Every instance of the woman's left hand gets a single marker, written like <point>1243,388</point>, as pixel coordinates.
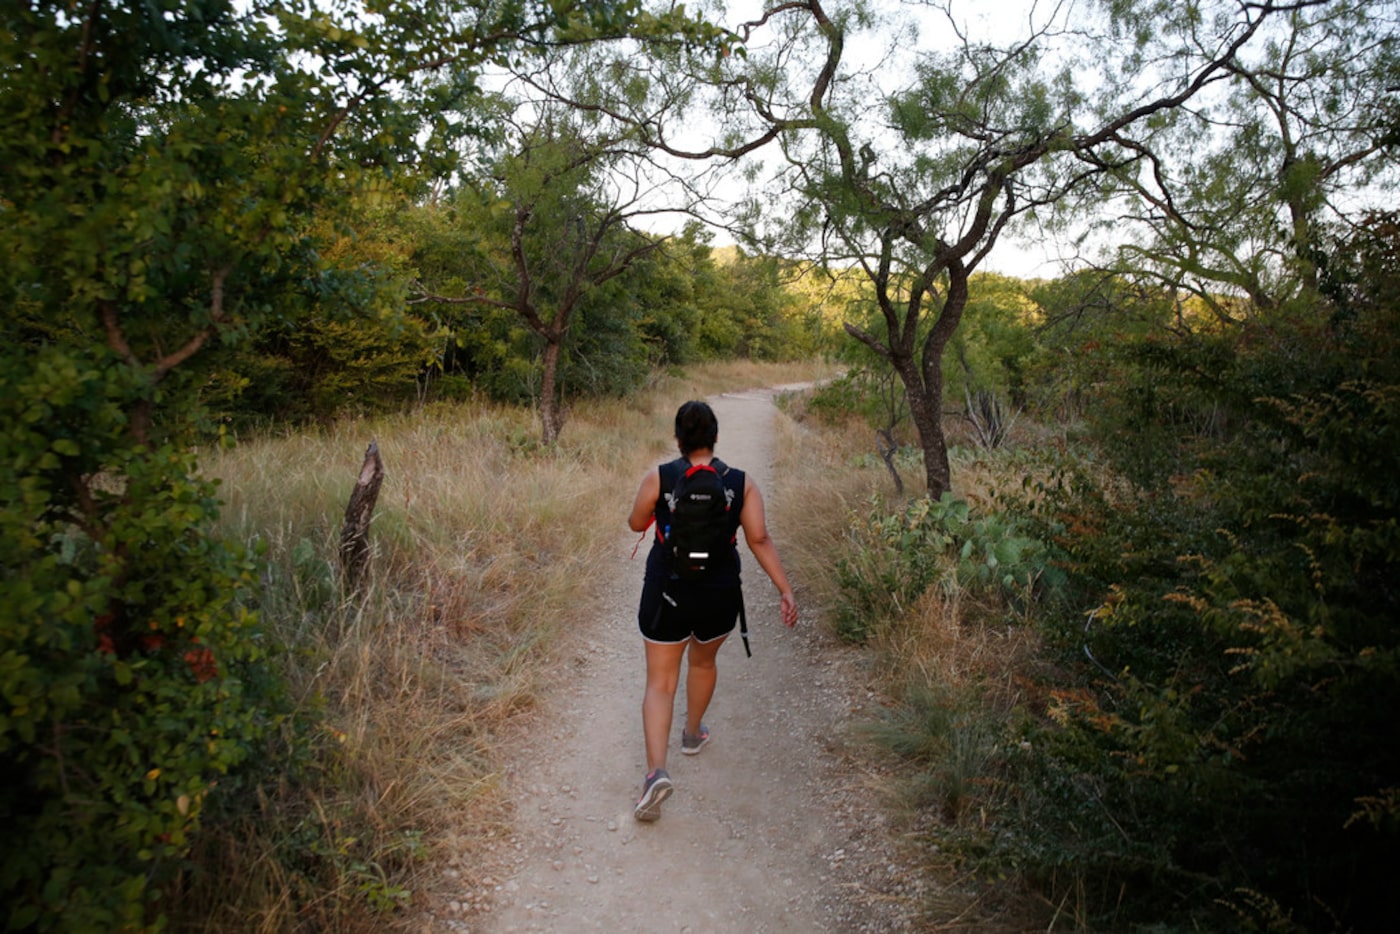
<point>789,610</point>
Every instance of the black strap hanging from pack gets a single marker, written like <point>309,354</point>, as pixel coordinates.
<point>744,625</point>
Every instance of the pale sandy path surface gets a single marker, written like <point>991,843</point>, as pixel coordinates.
<point>773,827</point>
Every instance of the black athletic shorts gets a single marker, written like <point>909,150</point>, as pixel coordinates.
<point>674,610</point>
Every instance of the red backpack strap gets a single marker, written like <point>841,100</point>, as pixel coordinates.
<point>660,535</point>
<point>641,538</point>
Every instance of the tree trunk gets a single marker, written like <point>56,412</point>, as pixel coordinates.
<point>930,417</point>
<point>354,535</point>
<point>921,369</point>
<point>551,418</point>
<point>926,412</point>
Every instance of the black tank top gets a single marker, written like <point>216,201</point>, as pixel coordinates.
<point>658,560</point>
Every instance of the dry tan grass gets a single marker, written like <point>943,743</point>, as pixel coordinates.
<point>821,479</point>
<point>712,378</point>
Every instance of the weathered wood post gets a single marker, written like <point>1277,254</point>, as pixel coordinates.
<point>354,536</point>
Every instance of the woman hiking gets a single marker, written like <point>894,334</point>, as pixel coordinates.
<point>688,609</point>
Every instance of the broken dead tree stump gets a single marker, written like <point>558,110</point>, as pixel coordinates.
<point>354,535</point>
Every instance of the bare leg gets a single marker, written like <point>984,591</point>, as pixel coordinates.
<point>663,677</point>
<point>700,678</point>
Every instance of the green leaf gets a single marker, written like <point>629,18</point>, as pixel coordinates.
<point>121,671</point>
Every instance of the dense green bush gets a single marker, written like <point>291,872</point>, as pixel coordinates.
<point>1080,322</point>
<point>990,352</point>
<point>1233,758</point>
<point>865,390</point>
<point>321,369</point>
<point>134,677</point>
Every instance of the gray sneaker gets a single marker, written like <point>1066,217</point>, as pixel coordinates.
<point>656,788</point>
<point>692,743</point>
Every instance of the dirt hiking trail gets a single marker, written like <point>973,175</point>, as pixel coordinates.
<point>773,827</point>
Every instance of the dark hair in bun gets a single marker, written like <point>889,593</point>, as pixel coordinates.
<point>696,427</point>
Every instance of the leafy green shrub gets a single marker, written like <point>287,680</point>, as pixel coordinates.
<point>134,675</point>
<point>1083,317</point>
<point>1234,757</point>
<point>893,558</point>
<point>320,368</point>
<point>994,343</point>
<point>890,560</point>
<point>863,391</point>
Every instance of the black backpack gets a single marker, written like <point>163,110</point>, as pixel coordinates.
<point>700,536</point>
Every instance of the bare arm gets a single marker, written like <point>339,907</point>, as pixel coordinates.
<point>644,507</point>
<point>755,524</point>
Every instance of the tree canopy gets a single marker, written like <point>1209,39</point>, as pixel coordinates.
<point>913,169</point>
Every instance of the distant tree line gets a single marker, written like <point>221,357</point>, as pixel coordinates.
<point>451,332</point>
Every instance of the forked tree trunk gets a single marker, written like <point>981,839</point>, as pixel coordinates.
<point>354,535</point>
<point>920,367</point>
